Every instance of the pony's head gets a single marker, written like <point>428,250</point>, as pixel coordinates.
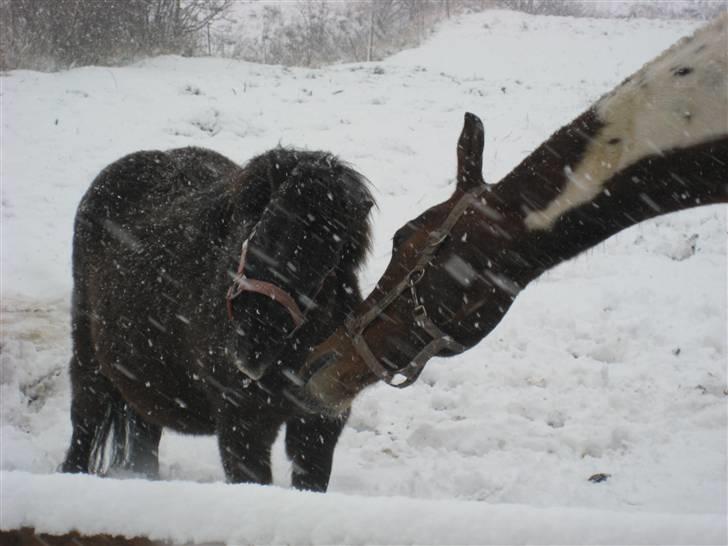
<point>314,222</point>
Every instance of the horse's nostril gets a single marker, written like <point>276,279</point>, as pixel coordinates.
<point>321,362</point>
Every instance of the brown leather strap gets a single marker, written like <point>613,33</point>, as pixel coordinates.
<point>241,284</point>
<point>359,323</point>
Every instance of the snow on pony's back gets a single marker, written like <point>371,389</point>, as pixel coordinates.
<point>675,101</point>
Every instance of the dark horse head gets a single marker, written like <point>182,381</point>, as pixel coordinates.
<point>657,143</point>
<point>308,234</point>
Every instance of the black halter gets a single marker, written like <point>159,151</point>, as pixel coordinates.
<point>355,326</point>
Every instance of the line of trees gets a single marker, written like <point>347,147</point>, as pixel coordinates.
<point>651,9</point>
<point>53,34</point>
<point>57,34</point>
<point>321,32</point>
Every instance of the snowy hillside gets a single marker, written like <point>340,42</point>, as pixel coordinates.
<point>613,363</point>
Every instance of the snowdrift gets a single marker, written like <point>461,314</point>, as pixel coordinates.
<point>198,513</point>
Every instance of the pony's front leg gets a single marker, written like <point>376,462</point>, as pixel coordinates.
<point>310,443</point>
<point>143,445</point>
<point>245,437</point>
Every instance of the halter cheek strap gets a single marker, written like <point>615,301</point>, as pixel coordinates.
<point>241,284</point>
<point>355,326</point>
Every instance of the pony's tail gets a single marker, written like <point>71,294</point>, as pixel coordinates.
<point>111,444</point>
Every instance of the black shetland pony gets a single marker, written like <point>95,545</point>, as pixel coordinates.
<point>198,285</point>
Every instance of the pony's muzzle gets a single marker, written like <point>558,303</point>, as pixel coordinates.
<point>320,362</point>
<point>334,374</point>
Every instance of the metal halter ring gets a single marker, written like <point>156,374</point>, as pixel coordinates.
<point>416,275</point>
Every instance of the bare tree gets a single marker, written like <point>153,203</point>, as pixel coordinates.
<point>172,24</point>
<point>370,45</point>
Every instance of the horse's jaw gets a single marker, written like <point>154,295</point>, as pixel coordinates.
<point>252,358</point>
<point>253,369</point>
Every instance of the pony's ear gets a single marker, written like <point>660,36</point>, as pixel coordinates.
<point>470,153</point>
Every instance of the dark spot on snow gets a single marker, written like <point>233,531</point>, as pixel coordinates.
<point>614,140</point>
<point>192,90</point>
<point>599,478</point>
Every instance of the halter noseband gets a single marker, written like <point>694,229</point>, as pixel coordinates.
<point>355,326</point>
<point>241,284</point>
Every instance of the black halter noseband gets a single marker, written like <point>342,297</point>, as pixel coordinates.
<point>355,326</point>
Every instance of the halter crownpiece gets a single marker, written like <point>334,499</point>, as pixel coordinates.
<point>241,284</point>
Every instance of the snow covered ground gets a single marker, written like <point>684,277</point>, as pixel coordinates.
<point>613,363</point>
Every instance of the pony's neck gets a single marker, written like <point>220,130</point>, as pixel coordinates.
<point>656,144</point>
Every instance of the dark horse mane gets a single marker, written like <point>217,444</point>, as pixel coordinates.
<point>189,177</point>
<point>157,244</point>
<point>265,173</point>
